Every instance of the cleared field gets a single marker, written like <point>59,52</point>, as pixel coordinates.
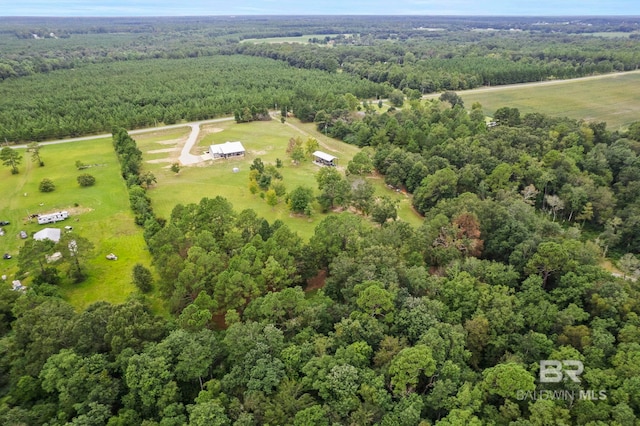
<point>265,140</point>
<point>99,213</point>
<point>303,39</point>
<point>614,98</point>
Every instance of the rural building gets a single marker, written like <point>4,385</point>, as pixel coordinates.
<point>324,159</point>
<point>227,150</point>
<point>52,234</point>
<point>52,217</point>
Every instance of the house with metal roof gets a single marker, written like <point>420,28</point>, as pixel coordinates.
<point>227,150</point>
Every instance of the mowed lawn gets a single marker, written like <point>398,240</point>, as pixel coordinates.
<point>265,140</point>
<point>614,99</point>
<point>100,213</point>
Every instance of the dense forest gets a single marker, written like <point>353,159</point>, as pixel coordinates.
<point>370,321</point>
<point>67,77</point>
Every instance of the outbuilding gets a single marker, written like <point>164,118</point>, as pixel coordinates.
<point>227,150</point>
<point>52,234</point>
<point>324,159</point>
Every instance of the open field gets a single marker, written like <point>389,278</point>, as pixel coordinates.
<point>303,39</point>
<point>265,140</point>
<point>102,215</point>
<point>613,98</point>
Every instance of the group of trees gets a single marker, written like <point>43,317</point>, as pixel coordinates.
<point>457,61</point>
<point>130,158</point>
<point>387,341</point>
<point>299,150</point>
<point>577,172</point>
<point>43,260</point>
<point>162,91</point>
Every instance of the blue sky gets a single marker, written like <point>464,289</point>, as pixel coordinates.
<point>322,7</point>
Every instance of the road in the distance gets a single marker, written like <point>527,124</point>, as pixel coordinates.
<point>534,83</point>
<point>192,124</point>
<point>196,124</point>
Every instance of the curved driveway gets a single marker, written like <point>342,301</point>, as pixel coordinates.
<point>137,131</point>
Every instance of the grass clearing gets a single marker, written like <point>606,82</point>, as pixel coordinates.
<point>99,213</point>
<point>303,39</point>
<point>614,99</point>
<point>266,140</point>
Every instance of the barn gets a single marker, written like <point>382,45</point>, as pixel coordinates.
<point>227,150</point>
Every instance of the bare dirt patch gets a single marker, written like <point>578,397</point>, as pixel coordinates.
<point>172,141</point>
<point>209,130</point>
<point>316,282</point>
<point>160,161</point>
<point>160,151</point>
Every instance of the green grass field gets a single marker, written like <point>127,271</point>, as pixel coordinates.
<point>100,213</point>
<point>304,39</point>
<point>614,99</point>
<point>265,140</point>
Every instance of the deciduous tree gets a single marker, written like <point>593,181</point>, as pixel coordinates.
<point>86,179</point>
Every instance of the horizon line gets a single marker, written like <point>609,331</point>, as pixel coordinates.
<point>333,15</point>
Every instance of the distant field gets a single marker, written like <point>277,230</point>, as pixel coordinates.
<point>102,215</point>
<point>612,34</point>
<point>265,140</point>
<point>304,39</point>
<point>614,99</point>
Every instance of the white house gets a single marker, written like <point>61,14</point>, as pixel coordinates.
<point>52,234</point>
<point>227,150</point>
<point>324,159</point>
<point>52,217</point>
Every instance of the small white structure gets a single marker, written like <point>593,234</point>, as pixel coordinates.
<point>323,159</point>
<point>17,286</point>
<point>52,234</point>
<point>54,257</point>
<point>227,150</point>
<point>52,217</point>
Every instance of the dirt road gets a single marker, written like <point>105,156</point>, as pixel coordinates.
<point>136,132</point>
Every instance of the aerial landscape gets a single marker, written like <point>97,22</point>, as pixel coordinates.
<point>424,213</point>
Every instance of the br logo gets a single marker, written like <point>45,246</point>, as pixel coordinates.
<point>553,371</point>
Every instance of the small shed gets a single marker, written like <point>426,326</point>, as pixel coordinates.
<point>324,159</point>
<point>227,150</point>
<point>52,234</point>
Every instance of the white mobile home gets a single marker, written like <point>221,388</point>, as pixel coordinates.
<point>52,217</point>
